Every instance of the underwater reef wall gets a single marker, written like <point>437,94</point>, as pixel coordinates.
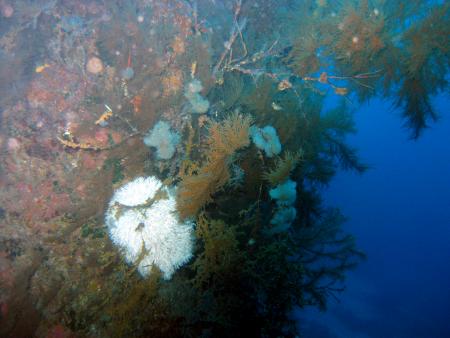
<point>162,160</point>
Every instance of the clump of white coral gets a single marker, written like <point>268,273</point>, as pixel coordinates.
<point>163,139</point>
<point>142,221</point>
<point>285,195</point>
<point>199,104</point>
<point>266,139</point>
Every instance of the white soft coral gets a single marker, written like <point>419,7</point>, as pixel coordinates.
<point>163,139</point>
<point>266,139</point>
<point>285,195</point>
<point>147,229</point>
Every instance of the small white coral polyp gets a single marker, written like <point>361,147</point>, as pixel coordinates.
<point>142,221</point>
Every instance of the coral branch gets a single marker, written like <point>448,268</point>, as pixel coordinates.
<point>224,139</point>
<point>324,78</point>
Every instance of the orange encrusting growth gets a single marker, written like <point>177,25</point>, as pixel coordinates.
<point>104,117</point>
<point>74,145</point>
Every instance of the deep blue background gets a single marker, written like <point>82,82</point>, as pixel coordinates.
<point>400,213</point>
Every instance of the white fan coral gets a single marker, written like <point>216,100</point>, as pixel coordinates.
<point>143,223</point>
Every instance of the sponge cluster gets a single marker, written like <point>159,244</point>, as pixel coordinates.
<point>199,104</point>
<point>163,139</point>
<point>142,221</point>
<point>266,139</point>
<point>285,195</point>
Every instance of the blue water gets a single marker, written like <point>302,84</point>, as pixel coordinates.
<point>400,213</point>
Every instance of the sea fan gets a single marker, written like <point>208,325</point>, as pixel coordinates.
<point>224,139</point>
